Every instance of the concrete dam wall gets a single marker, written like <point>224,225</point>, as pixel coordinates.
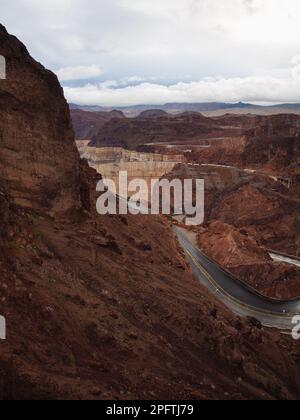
<point>109,161</point>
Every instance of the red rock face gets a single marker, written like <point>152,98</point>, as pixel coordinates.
<point>287,125</point>
<point>39,163</point>
<point>266,141</point>
<point>230,247</point>
<point>243,255</point>
<point>276,145</point>
<point>155,127</point>
<point>245,213</point>
<point>105,307</point>
<point>88,124</point>
<point>153,114</point>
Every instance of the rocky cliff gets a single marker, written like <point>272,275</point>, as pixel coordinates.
<point>105,307</point>
<point>243,255</point>
<point>268,142</point>
<point>39,162</point>
<point>260,207</point>
<point>135,133</point>
<point>88,124</point>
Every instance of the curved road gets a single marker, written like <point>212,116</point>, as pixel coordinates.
<point>235,294</point>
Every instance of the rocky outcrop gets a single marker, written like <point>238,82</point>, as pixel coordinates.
<point>287,125</point>
<point>231,247</point>
<point>248,200</point>
<point>269,142</point>
<point>274,142</point>
<point>243,255</point>
<point>224,151</point>
<point>38,159</point>
<point>136,133</point>
<point>153,114</point>
<point>276,280</point>
<point>88,124</point>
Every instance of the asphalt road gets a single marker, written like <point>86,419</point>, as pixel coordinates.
<point>236,295</point>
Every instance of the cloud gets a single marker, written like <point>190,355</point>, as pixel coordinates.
<point>249,89</point>
<point>250,5</point>
<point>134,79</point>
<point>67,74</point>
<point>296,67</point>
<point>163,44</point>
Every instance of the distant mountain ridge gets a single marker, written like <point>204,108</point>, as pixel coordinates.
<point>208,108</point>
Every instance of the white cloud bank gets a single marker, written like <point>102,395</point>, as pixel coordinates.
<point>249,89</point>
<point>244,46</point>
<point>75,73</point>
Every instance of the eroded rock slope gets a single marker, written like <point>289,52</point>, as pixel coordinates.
<point>104,307</point>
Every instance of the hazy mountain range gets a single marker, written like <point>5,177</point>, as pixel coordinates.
<point>209,108</point>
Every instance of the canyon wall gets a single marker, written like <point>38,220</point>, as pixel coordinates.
<point>243,255</point>
<point>88,124</point>
<point>135,133</point>
<point>247,212</point>
<point>105,308</point>
<point>39,163</point>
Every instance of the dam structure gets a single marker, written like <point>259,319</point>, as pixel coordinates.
<point>110,161</point>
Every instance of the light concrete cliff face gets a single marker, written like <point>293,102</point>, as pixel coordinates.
<point>109,161</point>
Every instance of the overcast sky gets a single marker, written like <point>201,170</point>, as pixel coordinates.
<point>121,52</point>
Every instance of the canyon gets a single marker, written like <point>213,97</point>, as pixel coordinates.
<point>88,124</point>
<point>251,168</point>
<point>106,307</point>
<point>184,129</point>
<point>248,207</point>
